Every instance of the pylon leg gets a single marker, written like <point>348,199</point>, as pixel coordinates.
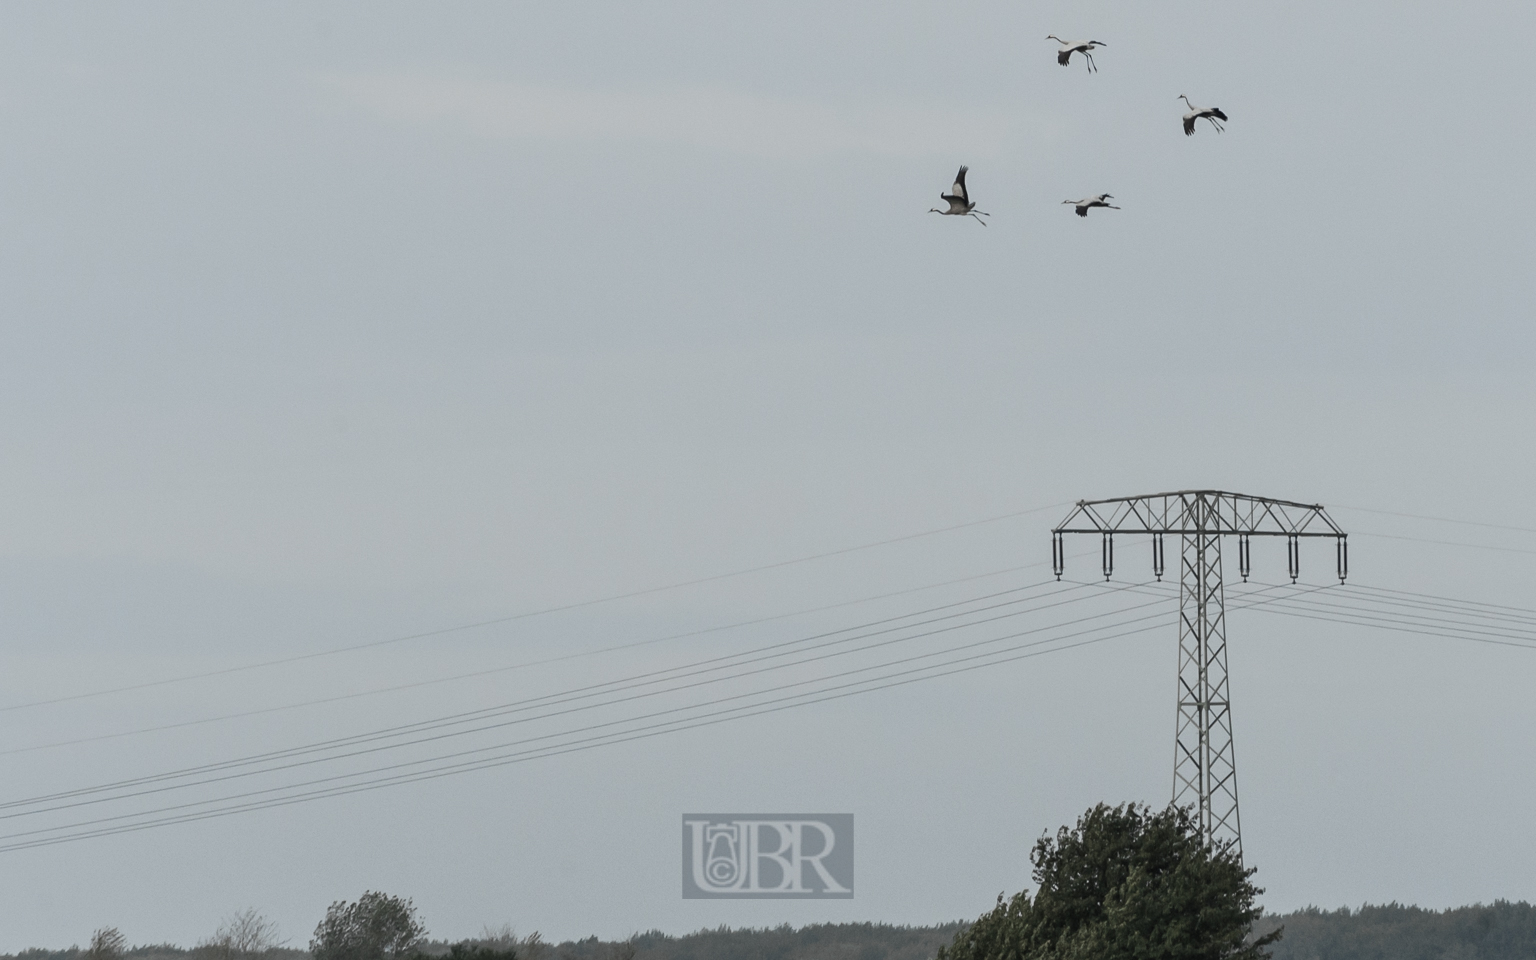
<point>1205,764</point>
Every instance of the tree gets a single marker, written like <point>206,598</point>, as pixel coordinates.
<point>106,944</point>
<point>240,937</point>
<point>376,927</point>
<point>1127,883</point>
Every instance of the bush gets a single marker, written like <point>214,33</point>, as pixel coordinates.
<point>376,927</point>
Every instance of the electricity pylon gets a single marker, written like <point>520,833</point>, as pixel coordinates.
<point>1204,763</point>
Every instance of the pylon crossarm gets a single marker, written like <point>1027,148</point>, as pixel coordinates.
<point>1203,511</point>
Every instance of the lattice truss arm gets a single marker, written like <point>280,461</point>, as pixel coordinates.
<point>1200,512</point>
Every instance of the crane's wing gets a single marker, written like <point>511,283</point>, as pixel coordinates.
<point>956,204</point>
<point>1217,111</point>
<point>1189,124</point>
<point>1063,56</point>
<point>1082,210</point>
<point>959,187</point>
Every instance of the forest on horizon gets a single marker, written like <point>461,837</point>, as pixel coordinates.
<point>1503,930</point>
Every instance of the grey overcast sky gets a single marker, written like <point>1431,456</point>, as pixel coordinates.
<point>329,323</point>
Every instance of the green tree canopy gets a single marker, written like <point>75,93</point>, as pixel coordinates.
<point>1127,883</point>
<point>376,927</point>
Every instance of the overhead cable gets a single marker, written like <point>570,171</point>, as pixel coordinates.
<point>560,608</point>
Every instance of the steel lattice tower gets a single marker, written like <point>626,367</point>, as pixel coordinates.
<point>1204,761</point>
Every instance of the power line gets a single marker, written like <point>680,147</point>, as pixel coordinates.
<point>517,666</point>
<point>612,598</point>
<point>1418,516</point>
<point>1356,605</point>
<point>551,700</point>
<point>1387,620</point>
<point>1527,611</point>
<point>1445,543</point>
<point>1423,613</point>
<point>1344,599</point>
<point>609,740</point>
<point>588,689</point>
<point>866,685</point>
<point>973,661</point>
<point>1430,611</point>
<point>1366,615</point>
<point>1367,619</point>
<point>628,734</point>
<point>327,787</point>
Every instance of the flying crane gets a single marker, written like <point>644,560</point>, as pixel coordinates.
<point>1099,201</point>
<point>1212,114</point>
<point>1084,47</point>
<point>960,204</point>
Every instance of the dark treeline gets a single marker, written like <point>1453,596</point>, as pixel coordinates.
<point>1500,931</point>
<point>156,951</point>
<point>825,941</point>
<point>841,941</point>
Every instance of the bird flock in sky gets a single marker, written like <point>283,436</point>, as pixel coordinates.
<point>959,198</point>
